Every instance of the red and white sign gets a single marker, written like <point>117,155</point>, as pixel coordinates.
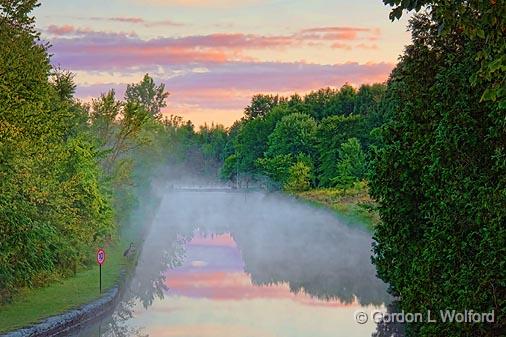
<point>100,256</point>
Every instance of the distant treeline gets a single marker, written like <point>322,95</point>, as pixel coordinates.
<point>322,139</point>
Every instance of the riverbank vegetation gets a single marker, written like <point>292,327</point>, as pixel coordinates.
<point>353,205</point>
<point>75,175</point>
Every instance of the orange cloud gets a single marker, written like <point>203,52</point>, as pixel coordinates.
<point>80,45</point>
<point>134,20</point>
<point>60,30</point>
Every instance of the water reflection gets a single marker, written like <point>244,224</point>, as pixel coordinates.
<point>220,264</point>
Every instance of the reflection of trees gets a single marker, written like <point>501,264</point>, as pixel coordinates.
<point>324,260</point>
<point>149,280</point>
<point>390,329</point>
<point>164,251</point>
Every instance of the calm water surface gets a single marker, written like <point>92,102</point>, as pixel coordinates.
<point>252,265</point>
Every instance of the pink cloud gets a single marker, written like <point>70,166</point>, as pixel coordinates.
<point>127,19</point>
<point>134,20</point>
<point>60,30</point>
<point>226,76</point>
<point>85,49</point>
<point>339,45</point>
<point>337,33</point>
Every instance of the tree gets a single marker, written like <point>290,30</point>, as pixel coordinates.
<point>351,166</point>
<point>482,22</point>
<point>251,139</point>
<point>298,180</point>
<point>276,168</point>
<point>331,134</point>
<point>368,97</point>
<point>439,178</point>
<point>261,105</point>
<point>63,83</point>
<point>294,134</point>
<point>148,95</point>
<point>52,207</point>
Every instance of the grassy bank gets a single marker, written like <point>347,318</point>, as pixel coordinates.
<point>353,205</point>
<point>32,305</point>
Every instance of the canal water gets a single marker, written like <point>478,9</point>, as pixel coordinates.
<point>251,265</point>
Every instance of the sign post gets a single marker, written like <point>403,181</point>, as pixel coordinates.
<point>100,261</point>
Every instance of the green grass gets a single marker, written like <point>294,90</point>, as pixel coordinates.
<point>32,305</point>
<point>353,206</point>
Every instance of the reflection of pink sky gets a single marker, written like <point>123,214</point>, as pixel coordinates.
<point>230,282</point>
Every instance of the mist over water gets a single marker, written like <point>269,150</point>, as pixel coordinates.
<point>247,264</point>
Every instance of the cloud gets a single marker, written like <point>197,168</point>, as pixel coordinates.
<point>134,20</point>
<point>202,3</point>
<point>337,33</point>
<point>60,30</point>
<point>85,49</point>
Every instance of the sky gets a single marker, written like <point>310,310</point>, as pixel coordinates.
<point>214,55</point>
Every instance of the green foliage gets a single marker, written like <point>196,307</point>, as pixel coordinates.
<point>351,166</point>
<point>261,105</point>
<point>251,140</point>
<point>338,114</point>
<point>482,22</point>
<point>293,134</point>
<point>440,181</point>
<point>148,95</point>
<point>229,168</point>
<point>298,180</point>
<point>51,205</point>
<point>16,13</point>
<point>63,83</point>
<point>276,167</point>
<point>332,133</point>
<point>63,164</point>
<point>212,140</point>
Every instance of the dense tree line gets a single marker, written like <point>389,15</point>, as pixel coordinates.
<point>299,142</point>
<point>440,175</point>
<point>71,172</point>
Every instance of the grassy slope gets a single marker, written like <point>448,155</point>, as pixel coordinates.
<point>352,205</point>
<point>31,305</point>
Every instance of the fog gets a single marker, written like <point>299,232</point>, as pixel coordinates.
<point>280,240</point>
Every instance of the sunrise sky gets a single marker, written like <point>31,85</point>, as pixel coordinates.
<point>214,55</point>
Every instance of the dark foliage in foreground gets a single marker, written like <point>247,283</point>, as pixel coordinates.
<point>440,180</point>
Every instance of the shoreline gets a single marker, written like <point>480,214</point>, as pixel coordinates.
<point>60,324</point>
